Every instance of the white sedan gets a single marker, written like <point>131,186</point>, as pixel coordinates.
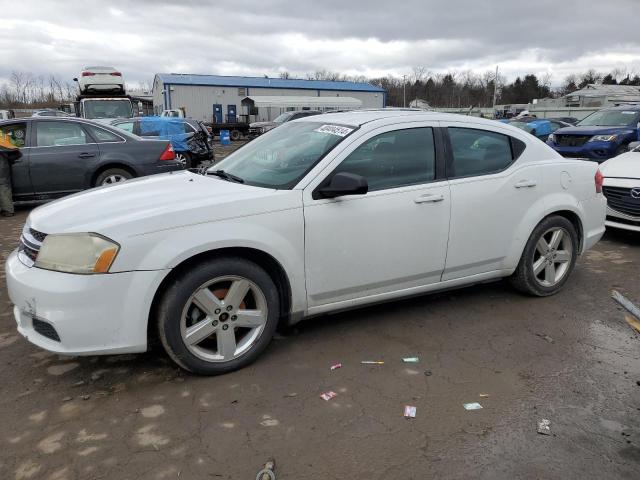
<point>321,214</point>
<point>99,80</point>
<point>622,189</point>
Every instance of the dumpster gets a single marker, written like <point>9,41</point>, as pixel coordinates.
<point>225,138</point>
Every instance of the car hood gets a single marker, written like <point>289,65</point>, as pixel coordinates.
<point>592,130</point>
<point>626,165</point>
<point>158,202</point>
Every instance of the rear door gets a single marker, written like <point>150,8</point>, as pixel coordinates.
<point>18,134</point>
<point>61,156</point>
<point>490,194</point>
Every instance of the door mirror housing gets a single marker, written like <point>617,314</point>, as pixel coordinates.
<point>342,184</point>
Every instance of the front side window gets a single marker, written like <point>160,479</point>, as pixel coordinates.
<point>394,159</point>
<point>281,157</point>
<point>49,134</point>
<point>479,152</point>
<point>103,136</point>
<point>16,133</point>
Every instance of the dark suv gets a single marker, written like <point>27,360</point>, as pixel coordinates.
<point>258,128</point>
<point>602,135</point>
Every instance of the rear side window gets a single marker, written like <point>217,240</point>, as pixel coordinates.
<point>50,134</point>
<point>394,159</point>
<point>481,152</point>
<point>103,136</point>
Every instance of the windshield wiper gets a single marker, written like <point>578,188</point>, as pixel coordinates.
<point>226,176</point>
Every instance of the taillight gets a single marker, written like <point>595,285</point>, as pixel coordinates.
<point>116,74</point>
<point>88,74</point>
<point>168,154</point>
<point>599,180</point>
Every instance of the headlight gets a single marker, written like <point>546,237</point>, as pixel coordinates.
<point>77,253</point>
<point>551,138</point>
<point>603,138</point>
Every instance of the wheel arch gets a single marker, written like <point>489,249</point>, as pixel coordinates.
<point>273,268</point>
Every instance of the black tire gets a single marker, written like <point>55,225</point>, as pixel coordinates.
<point>119,173</point>
<point>622,149</point>
<point>178,294</point>
<point>236,135</point>
<point>524,279</point>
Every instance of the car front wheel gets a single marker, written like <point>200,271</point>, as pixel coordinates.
<point>548,258</point>
<point>219,316</point>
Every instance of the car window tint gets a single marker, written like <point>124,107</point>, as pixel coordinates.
<point>103,136</point>
<point>50,134</point>
<point>479,152</point>
<point>16,133</point>
<point>188,128</point>
<point>394,159</point>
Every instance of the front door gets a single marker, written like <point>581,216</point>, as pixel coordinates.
<point>491,192</point>
<point>231,113</point>
<point>394,238</point>
<point>59,156</point>
<point>217,113</point>
<point>20,180</point>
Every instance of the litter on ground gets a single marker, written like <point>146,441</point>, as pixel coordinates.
<point>472,406</point>
<point>626,303</point>
<point>633,323</point>
<point>484,395</point>
<point>411,360</point>
<point>372,362</point>
<point>328,395</point>
<point>543,427</point>
<point>336,366</point>
<point>409,411</point>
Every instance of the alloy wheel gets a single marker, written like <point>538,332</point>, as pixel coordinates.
<point>552,257</point>
<point>111,179</point>
<point>223,318</point>
<point>181,157</point>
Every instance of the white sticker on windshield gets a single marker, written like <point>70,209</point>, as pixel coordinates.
<point>334,130</point>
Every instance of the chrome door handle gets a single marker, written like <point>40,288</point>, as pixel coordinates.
<point>86,155</point>
<point>525,184</point>
<point>429,198</point>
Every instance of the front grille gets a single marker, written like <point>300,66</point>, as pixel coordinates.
<point>572,140</point>
<point>30,243</point>
<point>45,329</point>
<point>620,200</point>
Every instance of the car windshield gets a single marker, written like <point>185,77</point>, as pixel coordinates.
<point>282,118</point>
<point>281,157</point>
<point>611,118</point>
<point>107,109</point>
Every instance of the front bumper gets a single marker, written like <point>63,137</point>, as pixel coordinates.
<point>90,314</point>
<point>622,221</point>
<point>598,151</point>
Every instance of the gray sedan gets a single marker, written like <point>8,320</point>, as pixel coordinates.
<point>61,156</point>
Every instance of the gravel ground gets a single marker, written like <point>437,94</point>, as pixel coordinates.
<point>570,358</point>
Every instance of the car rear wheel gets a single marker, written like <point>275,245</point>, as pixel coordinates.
<point>235,135</point>
<point>219,316</point>
<point>184,158</point>
<point>548,258</point>
<point>112,176</point>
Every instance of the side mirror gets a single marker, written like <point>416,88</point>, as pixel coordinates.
<point>343,183</point>
<point>633,146</point>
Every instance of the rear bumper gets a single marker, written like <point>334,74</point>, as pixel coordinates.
<point>81,314</point>
<point>598,151</point>
<point>159,167</point>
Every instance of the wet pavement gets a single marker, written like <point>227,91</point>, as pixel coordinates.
<point>570,358</point>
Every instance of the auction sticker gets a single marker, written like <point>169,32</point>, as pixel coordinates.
<point>334,130</point>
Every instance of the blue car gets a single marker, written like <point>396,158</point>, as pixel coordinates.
<point>602,135</point>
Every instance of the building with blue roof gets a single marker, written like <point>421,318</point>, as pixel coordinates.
<point>220,98</point>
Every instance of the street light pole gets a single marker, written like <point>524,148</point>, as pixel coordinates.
<point>404,91</point>
<point>495,91</point>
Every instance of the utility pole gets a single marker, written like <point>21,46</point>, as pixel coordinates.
<point>495,91</point>
<point>404,91</point>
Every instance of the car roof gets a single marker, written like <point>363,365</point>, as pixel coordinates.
<point>358,118</point>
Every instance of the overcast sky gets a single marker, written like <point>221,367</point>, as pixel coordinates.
<point>372,38</point>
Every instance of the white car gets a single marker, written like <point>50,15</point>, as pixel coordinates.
<point>99,80</point>
<point>321,214</point>
<point>622,189</point>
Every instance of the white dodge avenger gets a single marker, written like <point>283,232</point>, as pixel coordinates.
<point>321,214</point>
